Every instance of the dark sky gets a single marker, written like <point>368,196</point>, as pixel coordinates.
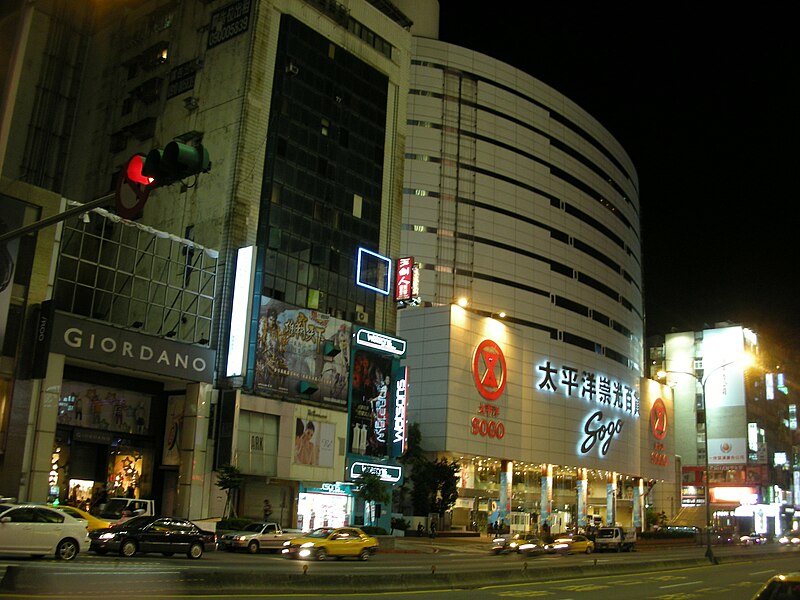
<point>706,103</point>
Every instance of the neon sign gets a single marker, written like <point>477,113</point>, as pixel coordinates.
<point>588,386</point>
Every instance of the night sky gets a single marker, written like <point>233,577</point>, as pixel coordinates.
<point>706,104</point>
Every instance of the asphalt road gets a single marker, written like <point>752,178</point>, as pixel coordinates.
<point>443,566</point>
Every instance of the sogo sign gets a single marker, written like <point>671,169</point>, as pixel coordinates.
<point>489,373</point>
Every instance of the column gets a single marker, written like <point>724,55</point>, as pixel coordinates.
<point>638,504</point>
<point>581,500</point>
<point>547,496</point>
<point>41,434</point>
<point>194,479</point>
<point>506,477</point>
<point>611,499</point>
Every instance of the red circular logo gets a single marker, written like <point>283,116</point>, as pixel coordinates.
<point>489,370</point>
<point>658,419</point>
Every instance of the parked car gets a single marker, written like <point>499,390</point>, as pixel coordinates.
<point>92,522</point>
<point>576,543</point>
<point>785,586</point>
<point>39,530</point>
<point>504,544</point>
<point>167,535</point>
<point>256,537</point>
<point>532,546</point>
<point>328,541</point>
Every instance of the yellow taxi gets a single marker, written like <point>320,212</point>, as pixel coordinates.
<point>92,522</point>
<point>331,541</point>
<point>571,544</point>
<point>783,586</point>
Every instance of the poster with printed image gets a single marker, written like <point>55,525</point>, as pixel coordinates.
<point>98,407</point>
<point>172,435</point>
<point>314,442</point>
<point>11,218</point>
<point>369,412</point>
<point>290,349</point>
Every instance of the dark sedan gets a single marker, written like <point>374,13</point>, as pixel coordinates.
<point>166,535</point>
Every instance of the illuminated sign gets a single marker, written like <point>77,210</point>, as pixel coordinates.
<point>600,433</point>
<point>399,418</point>
<point>403,281</point>
<point>388,473</point>
<point>588,386</point>
<point>373,271</point>
<point>380,341</point>
<point>489,373</point>
<point>242,292</point>
<point>722,451</point>
<point>489,369</point>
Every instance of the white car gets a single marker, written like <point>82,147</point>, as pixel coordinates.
<point>39,530</point>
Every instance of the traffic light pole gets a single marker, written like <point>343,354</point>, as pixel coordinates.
<point>78,210</point>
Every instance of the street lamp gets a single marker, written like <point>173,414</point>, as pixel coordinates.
<point>747,360</point>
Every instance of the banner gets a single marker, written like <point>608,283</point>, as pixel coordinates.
<point>11,218</point>
<point>291,348</point>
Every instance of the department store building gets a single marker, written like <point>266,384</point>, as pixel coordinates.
<point>521,212</point>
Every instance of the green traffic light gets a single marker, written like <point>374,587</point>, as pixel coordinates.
<point>175,162</point>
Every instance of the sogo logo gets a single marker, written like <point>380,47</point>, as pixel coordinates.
<point>489,373</point>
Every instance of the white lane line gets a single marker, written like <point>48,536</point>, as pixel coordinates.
<point>674,585</point>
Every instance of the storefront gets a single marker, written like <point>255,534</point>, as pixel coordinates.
<point>328,505</point>
<point>123,417</point>
<point>573,440</point>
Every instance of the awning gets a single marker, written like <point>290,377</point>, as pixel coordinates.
<point>695,516</point>
<point>690,516</point>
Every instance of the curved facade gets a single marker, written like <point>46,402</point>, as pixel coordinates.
<point>524,206</point>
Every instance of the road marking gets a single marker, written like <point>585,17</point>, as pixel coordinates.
<point>664,587</point>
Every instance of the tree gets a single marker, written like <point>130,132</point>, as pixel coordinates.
<point>371,490</point>
<point>229,479</point>
<point>434,484</point>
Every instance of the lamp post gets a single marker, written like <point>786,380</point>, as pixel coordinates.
<point>707,491</point>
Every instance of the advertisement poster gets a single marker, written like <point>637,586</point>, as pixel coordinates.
<point>290,349</point>
<point>313,442</point>
<point>171,454</point>
<point>11,218</point>
<point>97,407</point>
<point>369,413</point>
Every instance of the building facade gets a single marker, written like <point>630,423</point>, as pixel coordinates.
<point>736,413</point>
<point>521,213</point>
<point>250,315</point>
<point>301,108</point>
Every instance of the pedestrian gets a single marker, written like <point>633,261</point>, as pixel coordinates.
<point>420,529</point>
<point>433,530</point>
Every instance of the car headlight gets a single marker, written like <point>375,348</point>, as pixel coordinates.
<point>287,543</point>
<point>307,545</point>
<point>106,536</point>
<point>513,544</point>
<point>240,538</point>
<point>499,540</point>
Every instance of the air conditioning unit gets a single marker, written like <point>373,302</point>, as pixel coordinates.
<point>361,317</point>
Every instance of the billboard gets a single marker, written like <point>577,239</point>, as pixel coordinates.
<point>369,410</point>
<point>11,218</point>
<point>291,348</point>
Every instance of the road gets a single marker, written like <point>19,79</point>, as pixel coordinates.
<point>674,574</point>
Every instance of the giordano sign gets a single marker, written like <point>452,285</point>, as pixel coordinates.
<point>100,343</point>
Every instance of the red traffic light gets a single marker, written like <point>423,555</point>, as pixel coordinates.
<point>133,188</point>
<point>134,170</point>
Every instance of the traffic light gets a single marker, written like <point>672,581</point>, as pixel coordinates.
<point>133,188</point>
<point>175,162</point>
